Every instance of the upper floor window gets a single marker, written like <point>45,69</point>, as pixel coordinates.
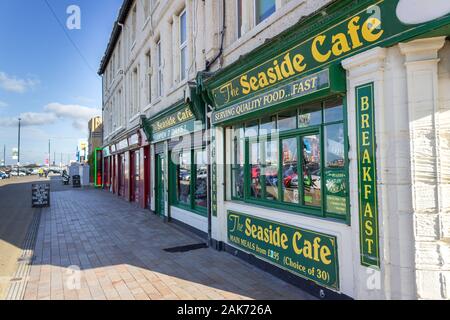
<point>239,18</point>
<point>160,80</point>
<point>133,25</point>
<point>135,90</point>
<point>183,47</point>
<point>119,45</point>
<point>264,9</point>
<point>149,77</point>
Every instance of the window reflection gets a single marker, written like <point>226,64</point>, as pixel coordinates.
<point>287,120</point>
<point>238,168</point>
<point>184,178</point>
<point>255,170</point>
<point>334,143</point>
<point>290,170</point>
<point>311,170</point>
<point>333,110</point>
<point>201,179</point>
<point>271,170</point>
<point>310,115</point>
<point>264,9</point>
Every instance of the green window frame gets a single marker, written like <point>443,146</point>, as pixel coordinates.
<point>192,204</point>
<point>334,200</point>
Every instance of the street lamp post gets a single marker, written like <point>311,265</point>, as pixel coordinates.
<point>18,150</point>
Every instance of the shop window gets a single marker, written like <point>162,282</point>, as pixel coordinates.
<point>334,111</point>
<point>310,115</point>
<point>201,179</point>
<point>188,172</point>
<point>270,170</point>
<point>184,178</point>
<point>238,161</point>
<point>295,160</point>
<point>287,120</point>
<point>264,9</point>
<point>311,168</point>
<point>290,170</point>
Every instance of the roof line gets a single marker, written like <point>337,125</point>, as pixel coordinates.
<point>123,14</point>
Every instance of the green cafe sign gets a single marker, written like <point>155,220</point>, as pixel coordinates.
<point>327,40</point>
<point>173,120</point>
<point>295,89</point>
<point>311,255</point>
<point>174,124</point>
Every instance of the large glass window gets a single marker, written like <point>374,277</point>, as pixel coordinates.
<point>264,9</point>
<point>189,172</point>
<point>294,160</point>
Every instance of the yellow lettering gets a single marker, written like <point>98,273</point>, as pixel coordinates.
<point>368,29</point>
<point>366,174</point>
<point>365,121</point>
<point>245,85</point>
<point>340,44</point>
<point>368,211</point>
<point>317,55</point>
<point>353,29</point>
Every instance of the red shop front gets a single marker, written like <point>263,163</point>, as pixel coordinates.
<point>130,169</point>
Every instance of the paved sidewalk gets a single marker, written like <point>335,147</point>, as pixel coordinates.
<point>119,250</point>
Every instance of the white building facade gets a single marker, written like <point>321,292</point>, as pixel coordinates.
<point>328,154</point>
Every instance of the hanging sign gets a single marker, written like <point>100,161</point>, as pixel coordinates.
<point>309,254</point>
<point>367,176</point>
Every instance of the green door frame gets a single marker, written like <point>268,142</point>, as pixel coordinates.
<point>160,186</point>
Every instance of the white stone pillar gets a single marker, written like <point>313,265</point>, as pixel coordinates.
<point>364,68</point>
<point>421,61</point>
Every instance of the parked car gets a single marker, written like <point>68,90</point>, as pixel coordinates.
<point>20,174</point>
<point>3,175</point>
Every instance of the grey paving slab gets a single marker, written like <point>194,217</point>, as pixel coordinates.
<point>93,245</point>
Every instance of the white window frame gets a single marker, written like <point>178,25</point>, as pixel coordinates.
<point>183,46</point>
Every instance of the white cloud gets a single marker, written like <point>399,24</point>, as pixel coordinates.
<point>80,115</point>
<point>53,112</point>
<point>3,104</point>
<point>29,119</point>
<point>16,85</point>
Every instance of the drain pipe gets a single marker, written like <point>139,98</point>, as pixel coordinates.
<point>222,33</point>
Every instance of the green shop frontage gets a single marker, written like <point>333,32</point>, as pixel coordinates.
<point>179,160</point>
<point>306,130</point>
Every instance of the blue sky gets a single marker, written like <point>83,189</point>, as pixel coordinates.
<point>44,80</point>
